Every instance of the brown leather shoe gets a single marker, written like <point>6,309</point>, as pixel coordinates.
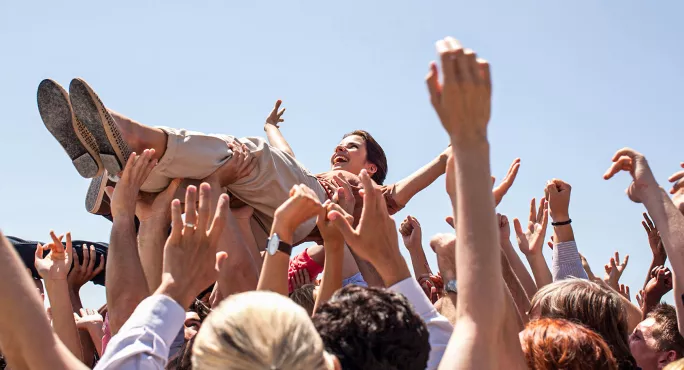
<point>97,201</point>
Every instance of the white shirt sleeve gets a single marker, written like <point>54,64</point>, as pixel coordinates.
<point>144,340</point>
<point>439,328</point>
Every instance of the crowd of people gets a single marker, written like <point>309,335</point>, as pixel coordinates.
<point>199,272</point>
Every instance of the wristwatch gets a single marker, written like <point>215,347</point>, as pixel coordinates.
<point>274,244</point>
<point>451,286</point>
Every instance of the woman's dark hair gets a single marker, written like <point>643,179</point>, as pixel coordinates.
<point>374,154</point>
<point>373,328</point>
<point>183,359</point>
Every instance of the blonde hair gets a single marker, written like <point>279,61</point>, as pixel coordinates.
<point>258,330</point>
<point>676,365</point>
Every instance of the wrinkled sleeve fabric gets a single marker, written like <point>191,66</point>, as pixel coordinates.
<point>567,262</point>
<point>145,339</point>
<point>439,328</point>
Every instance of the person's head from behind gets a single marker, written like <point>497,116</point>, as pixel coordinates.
<point>597,307</point>
<point>259,330</point>
<point>372,328</point>
<point>561,344</point>
<point>358,150</point>
<point>656,341</point>
<point>305,296</point>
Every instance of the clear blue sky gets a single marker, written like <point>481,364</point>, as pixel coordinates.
<point>573,82</point>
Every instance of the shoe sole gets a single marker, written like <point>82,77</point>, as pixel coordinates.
<point>95,201</point>
<point>58,117</point>
<point>90,110</point>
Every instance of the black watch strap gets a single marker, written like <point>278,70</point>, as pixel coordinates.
<point>285,248</point>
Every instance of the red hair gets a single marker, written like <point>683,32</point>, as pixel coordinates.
<point>561,344</point>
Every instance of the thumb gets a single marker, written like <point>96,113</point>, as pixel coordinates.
<point>173,186</point>
<point>341,223</point>
<point>39,251</point>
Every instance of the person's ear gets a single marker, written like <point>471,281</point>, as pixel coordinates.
<point>371,168</point>
<point>332,362</point>
<point>667,357</point>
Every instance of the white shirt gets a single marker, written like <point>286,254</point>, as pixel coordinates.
<point>145,339</point>
<point>439,328</point>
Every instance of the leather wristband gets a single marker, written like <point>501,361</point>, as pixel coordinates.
<point>562,223</point>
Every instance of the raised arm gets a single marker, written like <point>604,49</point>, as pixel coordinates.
<point>656,244</point>
<point>302,205</point>
<point>463,104</point>
<point>25,332</point>
<point>670,222</point>
<point>408,187</point>
<point>513,259</point>
<point>333,243</point>
<point>272,128</point>
<point>412,234</point>
<point>54,268</point>
<point>531,242</point>
<point>125,279</point>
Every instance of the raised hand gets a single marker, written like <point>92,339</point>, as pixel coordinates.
<point>444,246</point>
<point>124,195</point>
<point>677,181</point>
<point>624,291</point>
<point>240,165</point>
<point>504,227</point>
<point>531,240</point>
<point>274,118</point>
<point>82,273</point>
<point>375,238</point>
<point>411,233</point>
<point>614,271</point>
<point>157,206</point>
<point>501,190</point>
<point>628,159</point>
<point>343,194</point>
<point>463,99</point>
<point>302,205</point>
<point>190,256</point>
<point>654,240</point>
<point>331,235</point>
<point>585,266</point>
<point>87,318</point>
<point>557,193</point>
<point>659,285</point>
<point>54,266</point>
<point>301,278</point>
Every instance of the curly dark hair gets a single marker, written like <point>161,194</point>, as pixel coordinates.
<point>373,328</point>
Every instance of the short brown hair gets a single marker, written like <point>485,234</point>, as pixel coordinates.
<point>375,154</point>
<point>561,344</point>
<point>597,307</point>
<point>665,331</point>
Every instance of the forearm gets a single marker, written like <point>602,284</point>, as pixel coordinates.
<point>519,268</point>
<point>332,272</point>
<point>478,258</point>
<point>96,333</point>
<point>277,140</point>
<point>274,271</point>
<point>419,261</point>
<point>125,279</point>
<point>670,223</point>
<point>567,262</point>
<point>406,188</point>
<point>517,292</point>
<point>63,316</point>
<point>540,270</point>
<point>152,236</point>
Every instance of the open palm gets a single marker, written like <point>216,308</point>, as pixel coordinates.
<point>531,240</point>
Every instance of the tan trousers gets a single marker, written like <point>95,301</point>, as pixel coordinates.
<point>194,155</point>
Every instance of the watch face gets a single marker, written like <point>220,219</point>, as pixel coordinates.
<point>273,243</point>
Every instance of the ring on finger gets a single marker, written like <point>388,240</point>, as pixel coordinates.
<point>189,225</point>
